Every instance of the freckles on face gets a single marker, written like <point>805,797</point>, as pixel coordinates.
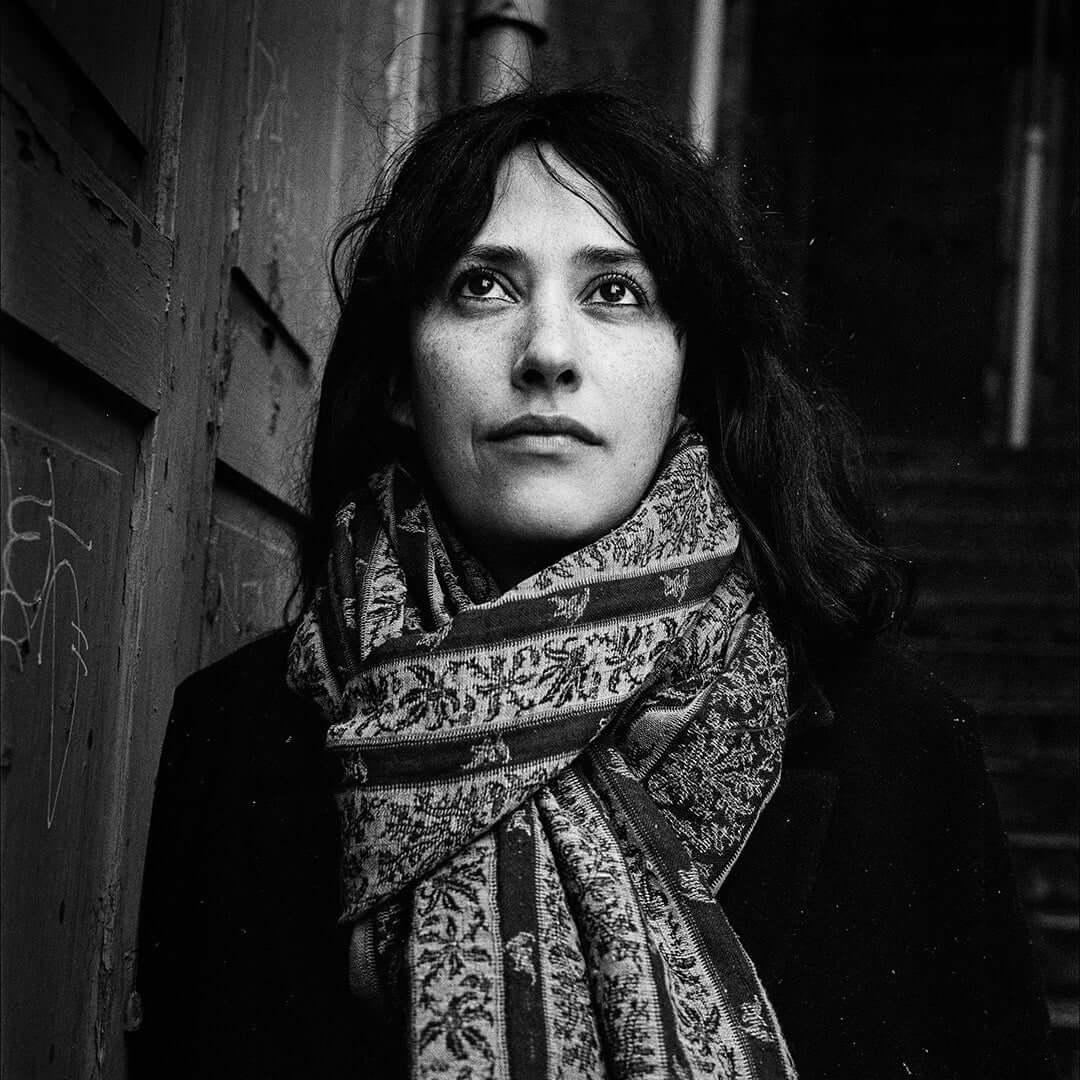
<point>545,375</point>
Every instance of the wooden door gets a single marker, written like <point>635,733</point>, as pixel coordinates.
<point>170,171</point>
<point>307,156</point>
<point>88,261</point>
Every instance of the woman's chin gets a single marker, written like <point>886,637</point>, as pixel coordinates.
<point>550,529</point>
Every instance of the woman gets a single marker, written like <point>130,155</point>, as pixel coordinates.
<point>590,755</point>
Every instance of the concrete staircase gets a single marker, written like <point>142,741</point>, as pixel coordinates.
<point>993,537</point>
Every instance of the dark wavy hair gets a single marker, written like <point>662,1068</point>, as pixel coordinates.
<point>785,454</point>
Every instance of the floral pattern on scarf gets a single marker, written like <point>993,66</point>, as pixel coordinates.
<point>542,791</point>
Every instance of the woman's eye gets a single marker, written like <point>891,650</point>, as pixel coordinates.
<point>616,292</point>
<point>480,285</point>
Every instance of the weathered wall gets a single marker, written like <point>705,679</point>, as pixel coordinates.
<point>171,173</point>
<point>645,44</point>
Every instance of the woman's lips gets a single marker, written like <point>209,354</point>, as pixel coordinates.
<point>544,425</point>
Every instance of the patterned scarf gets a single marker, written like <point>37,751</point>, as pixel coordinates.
<point>542,791</point>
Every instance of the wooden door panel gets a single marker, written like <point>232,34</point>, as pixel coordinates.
<point>292,159</point>
<point>267,406</point>
<point>251,570</point>
<point>310,152</point>
<point>69,450</point>
<point>313,142</point>
<point>115,44</point>
<point>83,267</point>
<point>84,292</point>
<point>31,53</point>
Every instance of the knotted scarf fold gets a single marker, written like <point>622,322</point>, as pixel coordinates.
<point>542,791</point>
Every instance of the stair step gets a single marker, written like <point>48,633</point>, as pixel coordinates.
<point>995,619</point>
<point>1027,731</point>
<point>1035,801</point>
<point>968,497</point>
<point>897,453</point>
<point>1005,671</point>
<point>1065,1037</point>
<point>1047,874</point>
<point>1045,764</point>
<point>1064,1014</point>
<point>1056,937</point>
<point>986,578</point>
<point>1001,534</point>
<point>1025,841</point>
<point>1058,922</point>
<point>943,464</point>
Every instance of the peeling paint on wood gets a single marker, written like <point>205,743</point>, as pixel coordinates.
<point>111,43</point>
<point>155,458</point>
<point>305,156</point>
<point>251,572</point>
<point>92,271</point>
<point>267,404</point>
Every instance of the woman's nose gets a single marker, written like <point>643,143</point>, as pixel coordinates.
<point>551,357</point>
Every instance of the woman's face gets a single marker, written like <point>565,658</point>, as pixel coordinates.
<point>545,376</point>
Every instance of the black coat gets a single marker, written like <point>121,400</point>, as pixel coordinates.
<point>875,894</point>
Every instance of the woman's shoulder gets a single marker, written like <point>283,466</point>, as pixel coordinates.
<point>885,678</point>
<point>241,703</point>
<point>892,722</point>
<point>258,667</point>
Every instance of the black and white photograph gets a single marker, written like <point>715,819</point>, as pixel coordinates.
<point>539,540</point>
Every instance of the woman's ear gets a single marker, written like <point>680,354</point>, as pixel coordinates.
<point>399,405</point>
<point>684,408</point>
<point>401,412</point>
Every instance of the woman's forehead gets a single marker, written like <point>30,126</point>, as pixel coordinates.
<point>537,191</point>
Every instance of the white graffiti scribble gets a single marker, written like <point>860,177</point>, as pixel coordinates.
<point>274,161</point>
<point>29,610</point>
<point>240,608</point>
<point>246,607</point>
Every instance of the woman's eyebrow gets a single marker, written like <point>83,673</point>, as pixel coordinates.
<point>504,254</point>
<point>588,256</point>
<point>591,255</point>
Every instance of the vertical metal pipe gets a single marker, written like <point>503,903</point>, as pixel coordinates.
<point>706,71</point>
<point>1026,320</point>
<point>502,35</point>
<point>403,73</point>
